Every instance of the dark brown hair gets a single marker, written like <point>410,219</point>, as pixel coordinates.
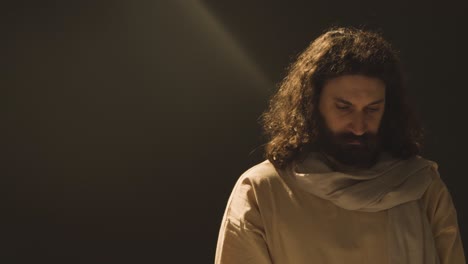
<point>291,121</point>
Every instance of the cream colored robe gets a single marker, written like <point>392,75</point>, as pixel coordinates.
<point>270,220</point>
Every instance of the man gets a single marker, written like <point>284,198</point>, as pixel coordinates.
<point>344,181</point>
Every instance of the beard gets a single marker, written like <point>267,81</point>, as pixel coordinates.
<point>361,153</point>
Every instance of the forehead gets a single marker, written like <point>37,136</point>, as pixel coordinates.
<point>354,88</point>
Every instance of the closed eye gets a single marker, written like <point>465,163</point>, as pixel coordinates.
<point>371,110</point>
<point>343,107</point>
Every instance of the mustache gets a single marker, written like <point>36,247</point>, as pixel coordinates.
<point>347,136</point>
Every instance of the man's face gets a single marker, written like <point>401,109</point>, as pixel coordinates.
<point>351,108</point>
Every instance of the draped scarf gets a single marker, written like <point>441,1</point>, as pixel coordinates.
<point>391,184</point>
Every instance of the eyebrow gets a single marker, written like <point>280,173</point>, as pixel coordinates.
<point>341,100</point>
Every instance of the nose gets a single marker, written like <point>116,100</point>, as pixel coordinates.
<point>358,124</point>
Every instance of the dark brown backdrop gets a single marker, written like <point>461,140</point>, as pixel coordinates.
<point>127,123</point>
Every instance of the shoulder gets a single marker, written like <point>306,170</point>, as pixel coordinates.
<point>425,169</point>
<point>431,168</point>
<point>259,174</point>
<point>252,181</point>
<point>257,181</point>
<point>247,199</point>
<point>437,194</point>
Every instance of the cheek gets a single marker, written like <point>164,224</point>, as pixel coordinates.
<point>335,123</point>
<point>374,123</point>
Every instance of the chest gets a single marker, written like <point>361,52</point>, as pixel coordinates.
<point>304,228</point>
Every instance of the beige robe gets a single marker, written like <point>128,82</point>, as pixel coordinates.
<point>268,219</point>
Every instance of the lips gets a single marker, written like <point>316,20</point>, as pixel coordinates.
<point>354,142</point>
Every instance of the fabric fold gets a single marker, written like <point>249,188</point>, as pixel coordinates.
<point>391,184</point>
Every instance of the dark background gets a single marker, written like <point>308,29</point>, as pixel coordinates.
<point>127,123</point>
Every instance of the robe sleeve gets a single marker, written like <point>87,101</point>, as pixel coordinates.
<point>442,216</point>
<point>242,235</point>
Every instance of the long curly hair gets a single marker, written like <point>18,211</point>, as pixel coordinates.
<point>291,122</point>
